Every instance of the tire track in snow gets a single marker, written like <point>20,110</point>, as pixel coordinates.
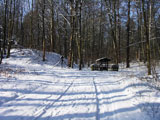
<point>113,108</point>
<point>76,105</point>
<point>99,94</point>
<point>97,101</point>
<point>43,110</point>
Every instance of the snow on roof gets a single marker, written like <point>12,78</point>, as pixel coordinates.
<point>104,59</point>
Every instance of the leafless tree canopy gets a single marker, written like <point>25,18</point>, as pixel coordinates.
<point>84,30</point>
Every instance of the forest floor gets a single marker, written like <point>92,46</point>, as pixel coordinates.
<point>34,90</point>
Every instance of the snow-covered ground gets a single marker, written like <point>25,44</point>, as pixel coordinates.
<point>34,90</point>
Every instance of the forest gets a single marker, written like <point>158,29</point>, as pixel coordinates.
<point>79,59</point>
<point>84,30</point>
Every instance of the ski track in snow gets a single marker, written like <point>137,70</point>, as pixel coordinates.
<point>100,96</point>
<point>44,92</point>
<point>44,109</point>
<point>97,101</point>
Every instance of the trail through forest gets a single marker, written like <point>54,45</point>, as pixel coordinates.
<point>35,90</point>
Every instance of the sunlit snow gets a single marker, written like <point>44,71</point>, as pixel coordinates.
<point>34,90</point>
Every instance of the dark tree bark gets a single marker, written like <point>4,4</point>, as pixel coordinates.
<point>43,36</point>
<point>119,33</point>
<point>147,32</point>
<point>38,23</point>
<point>31,27</point>
<point>52,28</point>
<point>5,27</point>
<point>80,39</point>
<point>128,38</point>
<point>11,25</point>
<point>22,26</point>
<point>1,49</point>
<point>71,42</point>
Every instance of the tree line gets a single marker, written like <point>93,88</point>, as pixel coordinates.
<point>84,30</point>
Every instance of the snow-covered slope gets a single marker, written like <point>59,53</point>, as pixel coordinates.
<point>34,90</point>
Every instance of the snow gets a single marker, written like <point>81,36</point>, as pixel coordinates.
<point>34,90</point>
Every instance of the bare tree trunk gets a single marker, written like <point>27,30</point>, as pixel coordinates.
<point>115,33</point>
<point>1,50</point>
<point>119,33</point>
<point>38,24</point>
<point>11,26</point>
<point>149,36</point>
<point>147,32</point>
<point>5,27</point>
<point>86,46</point>
<point>59,36</point>
<point>43,36</point>
<point>100,34</point>
<point>30,6</point>
<point>31,27</point>
<point>128,37</point>
<point>52,28</point>
<point>140,34</point>
<point>70,56</point>
<point>22,28</point>
<point>93,39</point>
<point>80,39</point>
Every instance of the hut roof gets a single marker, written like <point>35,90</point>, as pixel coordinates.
<point>104,59</point>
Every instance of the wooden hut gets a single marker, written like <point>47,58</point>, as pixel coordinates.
<point>101,64</point>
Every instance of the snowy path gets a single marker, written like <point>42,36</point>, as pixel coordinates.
<point>41,92</point>
<point>71,97</point>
